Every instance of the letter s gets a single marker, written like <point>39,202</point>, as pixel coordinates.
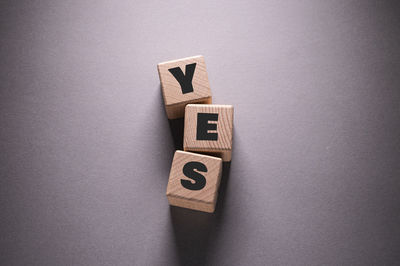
<point>200,180</point>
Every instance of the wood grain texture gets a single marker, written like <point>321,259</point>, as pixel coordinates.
<point>221,147</point>
<point>201,200</point>
<point>174,100</point>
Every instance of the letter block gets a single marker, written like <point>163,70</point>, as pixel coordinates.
<point>194,180</point>
<point>209,129</point>
<point>184,81</point>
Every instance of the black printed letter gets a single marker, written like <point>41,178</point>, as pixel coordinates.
<point>200,180</point>
<point>203,126</point>
<point>184,80</point>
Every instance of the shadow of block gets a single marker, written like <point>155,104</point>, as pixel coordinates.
<point>195,231</point>
<point>177,126</point>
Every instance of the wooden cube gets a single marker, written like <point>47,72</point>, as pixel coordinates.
<point>194,180</point>
<point>209,129</point>
<point>184,81</point>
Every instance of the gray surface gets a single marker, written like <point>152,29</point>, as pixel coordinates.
<point>85,145</point>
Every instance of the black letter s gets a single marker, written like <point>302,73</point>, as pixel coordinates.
<point>200,180</point>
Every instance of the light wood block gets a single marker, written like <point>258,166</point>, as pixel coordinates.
<point>194,180</point>
<point>209,129</point>
<point>184,81</point>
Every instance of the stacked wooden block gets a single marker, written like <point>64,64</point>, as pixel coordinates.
<point>195,172</point>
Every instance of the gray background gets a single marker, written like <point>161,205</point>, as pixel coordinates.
<point>85,145</point>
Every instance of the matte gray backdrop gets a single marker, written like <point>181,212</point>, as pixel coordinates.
<point>85,145</point>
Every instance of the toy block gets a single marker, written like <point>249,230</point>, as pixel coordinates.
<point>184,81</point>
<point>209,129</point>
<point>194,180</point>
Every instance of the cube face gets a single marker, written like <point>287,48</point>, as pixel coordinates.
<point>194,180</point>
<point>209,129</point>
<point>184,81</point>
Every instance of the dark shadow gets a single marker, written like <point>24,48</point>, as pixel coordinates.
<point>176,126</point>
<point>195,231</point>
<point>226,167</point>
<point>192,232</point>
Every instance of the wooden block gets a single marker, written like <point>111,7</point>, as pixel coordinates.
<point>209,129</point>
<point>184,81</point>
<point>194,180</point>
